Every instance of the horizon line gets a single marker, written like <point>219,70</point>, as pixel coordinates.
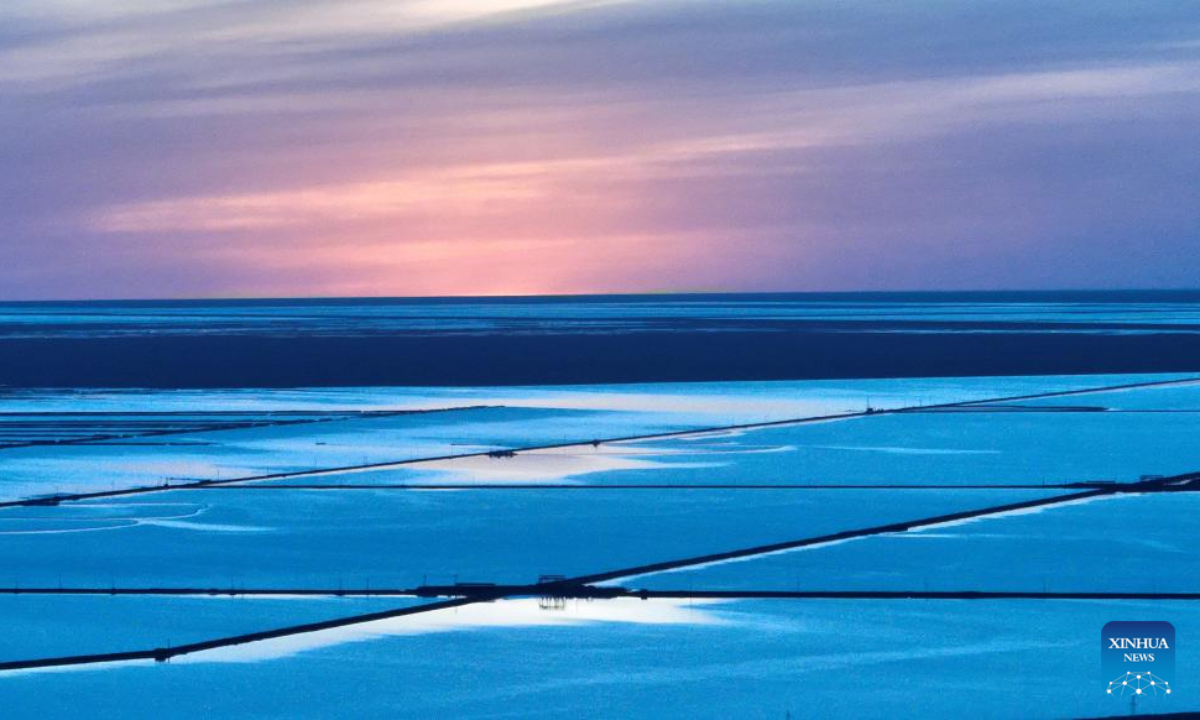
<point>627,295</point>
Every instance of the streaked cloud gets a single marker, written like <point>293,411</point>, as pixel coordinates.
<point>774,124</point>
<point>90,40</point>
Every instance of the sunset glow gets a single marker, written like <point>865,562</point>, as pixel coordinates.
<point>410,148</point>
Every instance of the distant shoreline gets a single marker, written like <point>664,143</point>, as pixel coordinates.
<point>595,339</point>
<point>215,361</point>
<point>1128,295</point>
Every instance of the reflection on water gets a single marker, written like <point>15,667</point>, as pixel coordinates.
<point>93,517</point>
<point>525,612</point>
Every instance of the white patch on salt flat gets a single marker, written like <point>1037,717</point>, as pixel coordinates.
<point>205,527</point>
<point>501,614</point>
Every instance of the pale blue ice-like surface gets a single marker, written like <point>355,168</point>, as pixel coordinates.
<point>745,399</point>
<point>529,417</point>
<point>51,625</point>
<point>223,538</point>
<point>653,659</point>
<point>628,658</point>
<point>1123,543</point>
<point>1183,397</point>
<point>954,448</point>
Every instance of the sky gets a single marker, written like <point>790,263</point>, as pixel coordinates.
<point>258,148</point>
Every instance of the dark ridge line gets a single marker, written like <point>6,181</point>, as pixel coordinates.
<point>1186,481</point>
<point>1015,409</point>
<point>244,425</point>
<point>1001,410</point>
<point>189,413</point>
<point>907,595</point>
<point>484,592</point>
<point>165,654</point>
<point>1154,411</point>
<point>1181,715</point>
<point>470,593</point>
<point>648,486</point>
<point>897,527</point>
<point>869,412</point>
<point>1070,393</point>
<point>74,497</point>
<point>228,592</point>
